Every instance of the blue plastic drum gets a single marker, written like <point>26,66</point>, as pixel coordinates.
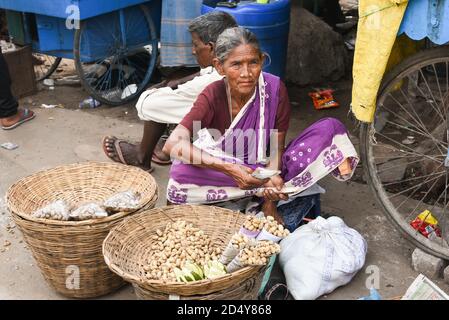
<point>270,22</point>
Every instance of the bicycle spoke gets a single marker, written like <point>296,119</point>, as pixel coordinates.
<point>439,197</point>
<point>436,142</point>
<point>411,179</point>
<point>416,190</point>
<point>396,166</point>
<point>411,188</point>
<point>418,120</point>
<point>438,82</point>
<point>437,110</point>
<point>414,111</point>
<point>405,110</point>
<point>395,157</point>
<point>412,150</point>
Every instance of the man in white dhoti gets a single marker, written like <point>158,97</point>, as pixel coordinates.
<point>159,107</point>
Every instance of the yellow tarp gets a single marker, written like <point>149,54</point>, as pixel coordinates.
<point>378,26</point>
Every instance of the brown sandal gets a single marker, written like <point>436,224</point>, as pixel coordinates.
<point>119,154</point>
<point>25,117</point>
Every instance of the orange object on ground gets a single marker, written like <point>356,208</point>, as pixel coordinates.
<point>323,99</point>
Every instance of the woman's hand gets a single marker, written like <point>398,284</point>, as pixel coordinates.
<point>269,208</point>
<point>278,183</point>
<point>242,176</point>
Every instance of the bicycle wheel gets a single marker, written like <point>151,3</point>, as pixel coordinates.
<point>404,149</point>
<point>44,65</point>
<point>115,54</point>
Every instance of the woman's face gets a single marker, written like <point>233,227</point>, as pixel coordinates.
<point>242,69</point>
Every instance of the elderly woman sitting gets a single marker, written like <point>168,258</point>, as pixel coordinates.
<point>239,124</point>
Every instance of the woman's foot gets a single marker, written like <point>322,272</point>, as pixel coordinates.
<point>160,157</point>
<point>22,116</point>
<point>124,152</point>
<point>345,167</point>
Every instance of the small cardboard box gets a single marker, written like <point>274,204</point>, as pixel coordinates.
<point>21,69</point>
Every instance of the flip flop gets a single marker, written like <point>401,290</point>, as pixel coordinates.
<point>26,116</point>
<point>155,158</point>
<point>159,161</point>
<point>118,152</point>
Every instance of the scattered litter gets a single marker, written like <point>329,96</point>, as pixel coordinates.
<point>89,103</point>
<point>9,146</point>
<point>409,140</point>
<point>373,295</point>
<point>424,289</point>
<point>49,82</point>
<point>51,88</point>
<point>6,243</point>
<point>7,46</point>
<point>129,91</point>
<point>51,118</point>
<point>323,99</point>
<point>51,106</point>
<point>131,126</point>
<point>427,225</point>
<point>16,267</point>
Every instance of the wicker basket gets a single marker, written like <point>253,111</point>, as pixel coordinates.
<point>64,248</point>
<point>127,248</point>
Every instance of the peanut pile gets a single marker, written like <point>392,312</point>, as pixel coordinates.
<point>173,247</point>
<point>259,254</point>
<point>239,241</point>
<point>275,228</point>
<point>253,223</point>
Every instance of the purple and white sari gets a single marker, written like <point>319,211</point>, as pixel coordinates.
<point>315,153</point>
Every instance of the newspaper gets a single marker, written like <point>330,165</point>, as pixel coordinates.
<point>424,289</point>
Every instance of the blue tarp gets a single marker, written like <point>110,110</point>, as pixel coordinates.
<point>427,18</point>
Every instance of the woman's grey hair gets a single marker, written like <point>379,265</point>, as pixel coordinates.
<point>232,38</point>
<point>210,25</point>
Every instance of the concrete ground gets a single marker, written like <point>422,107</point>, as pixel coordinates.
<point>68,135</point>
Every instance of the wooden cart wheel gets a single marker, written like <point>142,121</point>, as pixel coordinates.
<point>115,54</point>
<point>404,149</point>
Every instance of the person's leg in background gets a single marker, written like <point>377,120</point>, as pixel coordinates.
<point>10,114</point>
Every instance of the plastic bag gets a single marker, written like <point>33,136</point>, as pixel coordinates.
<point>88,211</point>
<point>237,243</point>
<point>123,201</point>
<point>321,256</point>
<point>58,210</point>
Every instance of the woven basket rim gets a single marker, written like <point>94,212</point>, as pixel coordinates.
<point>152,283</point>
<point>115,216</point>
